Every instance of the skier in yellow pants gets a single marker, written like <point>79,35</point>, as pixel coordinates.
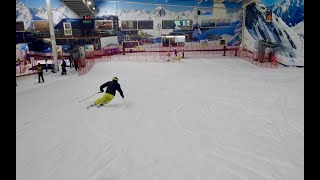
<point>105,99</point>
<point>112,87</point>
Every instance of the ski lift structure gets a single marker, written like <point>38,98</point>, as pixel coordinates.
<point>265,51</point>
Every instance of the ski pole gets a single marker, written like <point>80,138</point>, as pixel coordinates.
<point>89,97</point>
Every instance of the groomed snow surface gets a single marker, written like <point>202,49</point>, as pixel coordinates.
<point>200,119</point>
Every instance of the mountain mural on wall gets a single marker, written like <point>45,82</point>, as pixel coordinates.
<point>29,14</point>
<point>159,12</point>
<point>146,11</point>
<point>23,14</point>
<point>277,31</point>
<point>143,14</point>
<point>299,28</point>
<point>290,11</point>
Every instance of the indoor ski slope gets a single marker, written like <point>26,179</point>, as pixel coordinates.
<point>204,119</point>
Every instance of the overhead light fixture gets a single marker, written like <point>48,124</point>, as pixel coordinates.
<point>89,2</point>
<point>93,8</point>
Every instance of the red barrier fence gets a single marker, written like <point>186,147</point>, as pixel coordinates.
<point>91,58</point>
<point>166,54</point>
<point>253,57</point>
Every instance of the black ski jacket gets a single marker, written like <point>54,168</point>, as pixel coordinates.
<point>112,86</point>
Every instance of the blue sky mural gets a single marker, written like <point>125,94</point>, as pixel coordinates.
<point>233,5</point>
<point>270,2</point>
<point>41,3</point>
<point>290,11</point>
<point>30,10</point>
<point>287,34</point>
<point>158,10</point>
<point>171,5</point>
<point>168,2</point>
<point>124,6</point>
<point>111,6</point>
<point>174,3</point>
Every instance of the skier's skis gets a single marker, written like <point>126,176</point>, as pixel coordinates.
<point>98,106</point>
<point>88,107</point>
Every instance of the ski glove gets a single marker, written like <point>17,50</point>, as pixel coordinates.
<point>122,96</point>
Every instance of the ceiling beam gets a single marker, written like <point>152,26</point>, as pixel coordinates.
<point>78,6</point>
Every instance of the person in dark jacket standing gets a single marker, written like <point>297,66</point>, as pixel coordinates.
<point>112,87</point>
<point>46,65</point>
<point>40,72</point>
<point>182,53</point>
<point>224,50</point>
<point>63,65</point>
<point>75,63</point>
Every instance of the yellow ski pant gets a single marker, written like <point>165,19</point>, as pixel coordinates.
<point>105,99</point>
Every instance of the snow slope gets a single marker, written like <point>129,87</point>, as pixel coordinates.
<point>220,119</point>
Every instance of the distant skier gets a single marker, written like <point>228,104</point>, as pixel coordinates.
<point>71,62</point>
<point>46,65</point>
<point>112,87</point>
<point>40,72</point>
<point>175,52</point>
<point>169,55</point>
<point>270,56</point>
<point>182,53</point>
<point>63,65</point>
<point>75,64</point>
<point>274,61</point>
<point>224,50</point>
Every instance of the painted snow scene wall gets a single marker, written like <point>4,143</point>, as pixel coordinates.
<point>286,29</point>
<point>199,21</point>
<point>29,11</point>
